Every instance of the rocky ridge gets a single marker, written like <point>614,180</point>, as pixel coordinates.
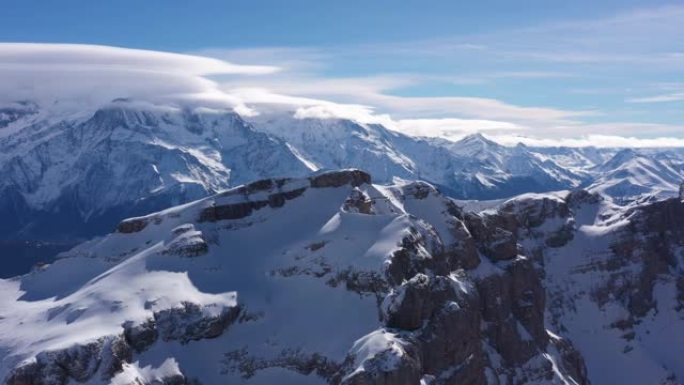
<point>417,290</point>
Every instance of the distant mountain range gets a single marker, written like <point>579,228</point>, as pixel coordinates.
<point>94,168</point>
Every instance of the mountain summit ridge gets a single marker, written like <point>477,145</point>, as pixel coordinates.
<point>416,290</point>
<point>130,157</point>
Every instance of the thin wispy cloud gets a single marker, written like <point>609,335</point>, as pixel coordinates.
<point>675,97</point>
<point>452,77</point>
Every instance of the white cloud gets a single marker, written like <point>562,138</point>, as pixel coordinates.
<point>89,74</point>
<point>97,74</point>
<point>674,97</point>
<point>451,128</point>
<point>609,141</point>
<point>376,91</point>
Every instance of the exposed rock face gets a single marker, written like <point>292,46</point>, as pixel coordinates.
<point>512,306</point>
<point>141,336</point>
<point>358,202</point>
<point>340,178</point>
<point>416,300</point>
<point>190,322</point>
<point>244,209</point>
<point>463,254</point>
<point>132,225</point>
<point>419,190</point>
<point>446,323</point>
<point>108,355</point>
<point>78,363</point>
<point>278,194</point>
<point>376,372</point>
<point>239,361</point>
<point>650,241</point>
<point>494,235</point>
<point>389,360</point>
<point>460,323</point>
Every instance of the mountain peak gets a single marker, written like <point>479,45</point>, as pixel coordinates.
<point>620,158</point>
<point>476,145</point>
<point>475,138</point>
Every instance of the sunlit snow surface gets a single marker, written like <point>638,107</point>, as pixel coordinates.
<point>277,262</point>
<point>93,289</point>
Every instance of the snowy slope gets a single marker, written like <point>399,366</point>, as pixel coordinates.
<point>123,159</point>
<point>629,175</point>
<point>496,171</point>
<point>328,279</point>
<point>333,279</point>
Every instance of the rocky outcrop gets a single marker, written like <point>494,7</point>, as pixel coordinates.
<point>247,365</point>
<point>192,322</point>
<point>141,336</point>
<point>358,202</point>
<point>443,314</point>
<point>218,212</point>
<point>463,254</point>
<point>277,193</point>
<point>376,371</point>
<point>186,241</point>
<point>460,296</point>
<point>649,241</point>
<point>417,299</point>
<point>495,236</point>
<point>456,319</point>
<point>419,190</point>
<point>77,363</point>
<point>512,306</point>
<point>107,356</point>
<point>132,225</point>
<point>340,178</point>
<point>381,358</point>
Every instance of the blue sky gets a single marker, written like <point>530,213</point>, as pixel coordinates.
<point>555,69</point>
<point>189,25</point>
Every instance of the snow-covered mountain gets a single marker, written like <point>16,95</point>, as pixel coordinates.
<point>335,279</point>
<point>629,174</point>
<point>75,176</point>
<point>473,168</point>
<point>488,170</point>
<point>70,173</point>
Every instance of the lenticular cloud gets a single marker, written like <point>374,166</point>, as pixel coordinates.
<point>50,72</point>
